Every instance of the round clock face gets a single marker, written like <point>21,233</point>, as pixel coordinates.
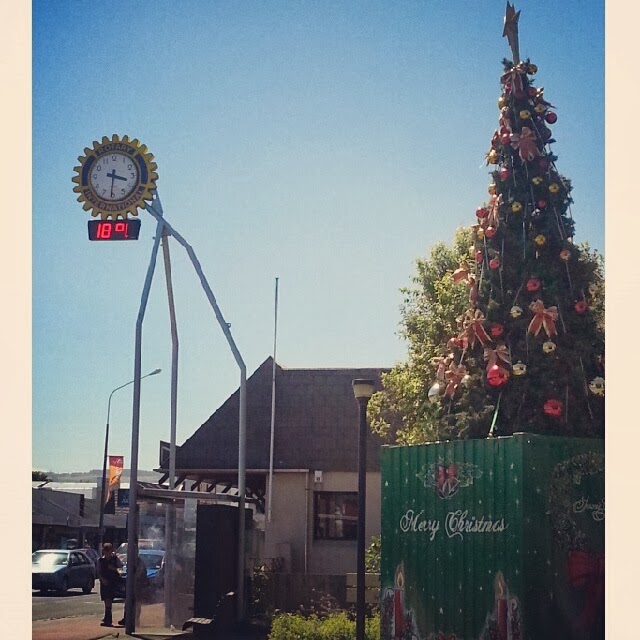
<point>114,176</point>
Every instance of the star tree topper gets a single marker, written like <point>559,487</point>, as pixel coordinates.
<point>511,30</point>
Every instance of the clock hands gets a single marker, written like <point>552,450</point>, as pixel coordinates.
<point>114,176</point>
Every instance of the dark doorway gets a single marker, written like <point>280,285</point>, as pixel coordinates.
<point>216,563</point>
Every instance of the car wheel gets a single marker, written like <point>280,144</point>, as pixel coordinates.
<point>88,588</point>
<point>64,587</point>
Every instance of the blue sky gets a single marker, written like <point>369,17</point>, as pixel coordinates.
<point>329,144</point>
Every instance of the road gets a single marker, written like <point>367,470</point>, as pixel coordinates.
<point>51,605</point>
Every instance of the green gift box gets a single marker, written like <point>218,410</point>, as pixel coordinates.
<point>495,539</point>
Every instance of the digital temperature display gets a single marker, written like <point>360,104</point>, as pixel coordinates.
<point>114,229</point>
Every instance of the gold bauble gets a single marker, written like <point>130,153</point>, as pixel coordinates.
<point>519,369</point>
<point>596,386</point>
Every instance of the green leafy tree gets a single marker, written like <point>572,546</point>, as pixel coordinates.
<point>505,329</point>
<point>38,476</point>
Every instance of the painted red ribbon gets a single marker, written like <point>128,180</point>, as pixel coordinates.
<point>543,319</point>
<point>586,571</point>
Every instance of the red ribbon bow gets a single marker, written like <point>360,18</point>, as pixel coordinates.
<point>513,77</point>
<point>586,571</point>
<point>543,318</point>
<point>442,362</point>
<point>501,352</point>
<point>454,376</point>
<point>473,328</point>
<point>493,210</point>
<point>525,143</point>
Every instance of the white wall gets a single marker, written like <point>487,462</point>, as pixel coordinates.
<point>291,523</point>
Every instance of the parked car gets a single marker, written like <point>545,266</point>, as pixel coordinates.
<point>93,555</point>
<point>154,562</point>
<point>61,570</point>
<point>143,543</point>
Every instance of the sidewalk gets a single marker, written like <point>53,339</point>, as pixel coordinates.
<point>88,628</point>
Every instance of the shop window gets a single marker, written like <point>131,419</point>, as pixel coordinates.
<point>335,515</point>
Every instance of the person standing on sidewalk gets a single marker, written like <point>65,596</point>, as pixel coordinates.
<point>109,577</point>
<point>140,585</point>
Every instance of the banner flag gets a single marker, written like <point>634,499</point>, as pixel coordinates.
<point>116,464</point>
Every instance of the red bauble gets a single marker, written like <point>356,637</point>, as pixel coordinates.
<point>504,173</point>
<point>553,408</point>
<point>505,138</point>
<point>550,117</point>
<point>479,256</point>
<point>497,376</point>
<point>580,307</point>
<point>481,212</point>
<point>490,232</point>
<point>533,284</point>
<point>541,204</point>
<point>494,263</point>
<point>496,330</point>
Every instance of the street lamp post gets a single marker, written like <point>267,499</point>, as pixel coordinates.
<point>363,390</point>
<point>104,459</point>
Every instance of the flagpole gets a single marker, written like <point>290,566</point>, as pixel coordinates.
<point>273,406</point>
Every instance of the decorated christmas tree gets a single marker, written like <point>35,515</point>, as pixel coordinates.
<point>527,351</point>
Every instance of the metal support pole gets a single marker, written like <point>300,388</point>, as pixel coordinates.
<point>243,401</point>
<point>170,521</point>
<point>132,525</point>
<point>362,505</point>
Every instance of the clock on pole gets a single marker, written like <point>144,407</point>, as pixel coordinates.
<point>114,179</point>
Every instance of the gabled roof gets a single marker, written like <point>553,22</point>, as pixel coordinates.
<point>316,423</point>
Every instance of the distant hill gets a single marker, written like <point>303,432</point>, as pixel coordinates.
<point>90,476</point>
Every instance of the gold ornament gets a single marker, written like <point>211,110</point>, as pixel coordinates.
<point>516,311</point>
<point>502,102</point>
<point>492,189</point>
<point>525,115</point>
<point>540,240</point>
<point>519,368</point>
<point>549,346</point>
<point>532,69</point>
<point>565,255</point>
<point>596,386</point>
<point>480,233</point>
<point>492,157</point>
<point>540,108</point>
<point>516,207</point>
<point>536,180</point>
<point>554,188</point>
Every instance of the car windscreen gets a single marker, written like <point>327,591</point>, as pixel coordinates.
<point>49,559</point>
<point>152,560</point>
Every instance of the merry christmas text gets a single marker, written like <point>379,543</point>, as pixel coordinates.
<point>456,524</point>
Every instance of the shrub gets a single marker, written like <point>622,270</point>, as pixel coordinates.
<point>337,626</point>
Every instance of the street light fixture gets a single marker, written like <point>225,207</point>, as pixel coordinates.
<point>104,459</point>
<point>363,390</point>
